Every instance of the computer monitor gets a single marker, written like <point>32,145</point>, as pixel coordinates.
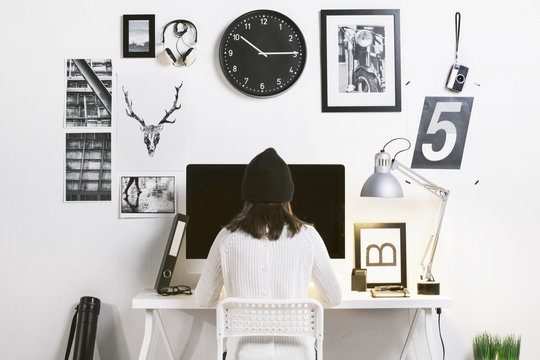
<point>213,198</point>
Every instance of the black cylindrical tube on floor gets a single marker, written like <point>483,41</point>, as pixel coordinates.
<point>85,335</point>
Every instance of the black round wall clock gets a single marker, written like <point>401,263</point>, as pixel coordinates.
<point>262,53</point>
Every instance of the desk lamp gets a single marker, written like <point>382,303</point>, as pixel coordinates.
<point>383,184</point>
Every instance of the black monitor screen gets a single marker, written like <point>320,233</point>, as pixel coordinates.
<point>213,199</point>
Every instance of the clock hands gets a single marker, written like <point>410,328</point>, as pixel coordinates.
<point>253,46</point>
<point>265,54</point>
<point>295,53</point>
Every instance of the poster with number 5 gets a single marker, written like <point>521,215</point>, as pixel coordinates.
<point>442,133</point>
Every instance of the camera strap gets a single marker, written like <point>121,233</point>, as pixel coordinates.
<point>72,332</point>
<point>457,21</point>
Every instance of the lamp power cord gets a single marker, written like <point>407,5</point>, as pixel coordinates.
<point>439,310</point>
<point>400,151</point>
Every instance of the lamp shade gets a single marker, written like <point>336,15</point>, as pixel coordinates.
<point>382,183</point>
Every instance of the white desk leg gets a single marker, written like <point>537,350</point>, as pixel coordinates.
<point>430,327</point>
<point>164,335</point>
<point>148,327</point>
<point>409,336</point>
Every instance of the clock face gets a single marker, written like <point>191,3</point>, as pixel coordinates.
<point>262,53</point>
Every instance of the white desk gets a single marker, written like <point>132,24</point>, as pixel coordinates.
<point>153,303</point>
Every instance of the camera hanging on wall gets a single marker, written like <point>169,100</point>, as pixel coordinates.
<point>458,73</point>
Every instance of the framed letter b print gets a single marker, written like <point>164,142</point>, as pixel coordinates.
<point>380,249</point>
<point>360,61</point>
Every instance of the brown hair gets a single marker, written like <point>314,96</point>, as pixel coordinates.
<point>260,219</point>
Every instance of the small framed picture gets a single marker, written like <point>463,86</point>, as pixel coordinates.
<point>380,249</point>
<point>147,196</point>
<point>360,60</point>
<point>139,36</point>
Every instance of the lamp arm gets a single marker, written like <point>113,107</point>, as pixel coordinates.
<point>426,268</point>
<point>442,194</point>
<point>436,190</point>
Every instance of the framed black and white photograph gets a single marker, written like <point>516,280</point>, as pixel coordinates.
<point>88,93</point>
<point>380,249</point>
<point>360,60</point>
<point>88,167</point>
<point>139,36</point>
<point>147,196</point>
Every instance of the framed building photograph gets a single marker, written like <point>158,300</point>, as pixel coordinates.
<point>380,249</point>
<point>360,61</point>
<point>89,84</point>
<point>147,196</point>
<point>139,36</point>
<point>87,167</point>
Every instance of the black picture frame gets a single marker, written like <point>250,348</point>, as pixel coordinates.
<point>139,28</point>
<point>349,82</point>
<point>172,249</point>
<point>380,236</point>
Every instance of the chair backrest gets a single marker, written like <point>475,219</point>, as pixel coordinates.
<point>270,317</point>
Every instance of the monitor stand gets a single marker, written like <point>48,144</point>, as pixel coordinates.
<point>187,271</point>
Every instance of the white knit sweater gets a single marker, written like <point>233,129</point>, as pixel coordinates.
<point>260,269</point>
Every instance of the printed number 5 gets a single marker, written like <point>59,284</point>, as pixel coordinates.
<point>447,126</point>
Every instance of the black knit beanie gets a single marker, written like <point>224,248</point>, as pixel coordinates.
<point>267,178</point>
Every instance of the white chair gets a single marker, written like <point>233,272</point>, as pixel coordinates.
<point>275,317</point>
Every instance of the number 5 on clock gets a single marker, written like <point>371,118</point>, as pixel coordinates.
<point>442,133</point>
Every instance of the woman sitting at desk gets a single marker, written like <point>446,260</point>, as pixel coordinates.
<point>266,252</point>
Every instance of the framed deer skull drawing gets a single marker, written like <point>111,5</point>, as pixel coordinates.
<point>150,124</point>
<point>151,133</point>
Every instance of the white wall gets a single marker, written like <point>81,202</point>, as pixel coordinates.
<point>52,253</point>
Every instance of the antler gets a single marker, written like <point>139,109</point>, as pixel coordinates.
<point>174,107</point>
<point>130,113</point>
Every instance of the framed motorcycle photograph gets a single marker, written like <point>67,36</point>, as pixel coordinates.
<point>360,60</point>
